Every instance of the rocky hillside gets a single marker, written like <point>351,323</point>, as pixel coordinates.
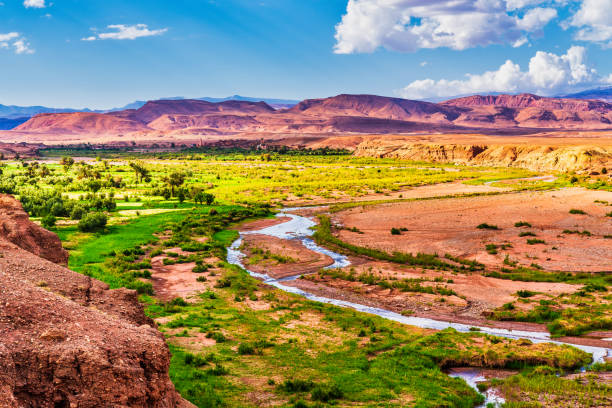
<point>66,340</point>
<point>535,157</point>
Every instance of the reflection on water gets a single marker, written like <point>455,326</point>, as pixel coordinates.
<point>473,376</point>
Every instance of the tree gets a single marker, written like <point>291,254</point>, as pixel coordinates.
<point>92,222</point>
<point>94,185</point>
<point>67,162</point>
<point>202,197</point>
<point>142,173</point>
<point>175,179</point>
<point>48,221</point>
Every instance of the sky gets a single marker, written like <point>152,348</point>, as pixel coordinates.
<point>106,53</point>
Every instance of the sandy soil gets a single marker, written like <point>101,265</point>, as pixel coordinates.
<point>302,260</point>
<point>178,280</point>
<point>433,190</point>
<point>449,226</point>
<point>476,293</point>
<point>260,224</point>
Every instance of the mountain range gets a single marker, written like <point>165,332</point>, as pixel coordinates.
<point>20,112</point>
<point>196,118</point>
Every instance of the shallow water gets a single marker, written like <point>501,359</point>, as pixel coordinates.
<point>301,228</point>
<point>473,376</point>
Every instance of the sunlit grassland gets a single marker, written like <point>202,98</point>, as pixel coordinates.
<point>249,179</point>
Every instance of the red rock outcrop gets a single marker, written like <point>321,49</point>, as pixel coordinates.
<point>16,227</point>
<point>66,340</point>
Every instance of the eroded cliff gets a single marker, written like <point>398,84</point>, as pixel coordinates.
<point>66,340</point>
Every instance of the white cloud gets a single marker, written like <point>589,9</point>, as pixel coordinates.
<point>535,19</point>
<point>594,21</point>
<point>519,4</point>
<point>8,37</point>
<point>408,25</point>
<point>34,3</point>
<point>548,74</point>
<point>22,47</point>
<point>19,43</point>
<point>126,32</point>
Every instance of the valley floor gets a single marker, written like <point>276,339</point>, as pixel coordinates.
<point>411,232</point>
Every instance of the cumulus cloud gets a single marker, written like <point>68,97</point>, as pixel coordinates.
<point>408,25</point>
<point>34,3</point>
<point>547,74</point>
<point>16,41</point>
<point>593,21</point>
<point>535,19</point>
<point>125,32</point>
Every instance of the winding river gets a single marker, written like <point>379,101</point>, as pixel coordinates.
<point>301,228</point>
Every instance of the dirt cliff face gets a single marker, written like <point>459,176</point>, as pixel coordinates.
<point>16,227</point>
<point>533,157</point>
<point>66,340</point>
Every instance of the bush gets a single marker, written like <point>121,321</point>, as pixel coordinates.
<point>525,293</point>
<point>296,385</point>
<point>78,212</point>
<point>326,393</point>
<point>178,301</point>
<point>246,349</point>
<point>522,224</point>
<point>575,211</point>
<point>92,222</point>
<point>395,231</point>
<point>535,241</point>
<point>48,221</point>
<point>484,225</point>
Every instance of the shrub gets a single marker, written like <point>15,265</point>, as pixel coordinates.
<point>78,212</point>
<point>200,268</point>
<point>178,301</point>
<point>194,360</point>
<point>48,221</point>
<point>535,241</point>
<point>491,248</point>
<point>525,293</point>
<point>575,211</point>
<point>246,349</point>
<point>484,225</point>
<point>326,393</point>
<point>527,234</point>
<point>395,231</point>
<point>92,222</point>
<point>522,224</point>
<point>296,385</point>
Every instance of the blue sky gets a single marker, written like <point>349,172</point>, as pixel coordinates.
<point>63,53</point>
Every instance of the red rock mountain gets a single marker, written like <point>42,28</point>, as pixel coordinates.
<point>338,114</point>
<point>66,340</point>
